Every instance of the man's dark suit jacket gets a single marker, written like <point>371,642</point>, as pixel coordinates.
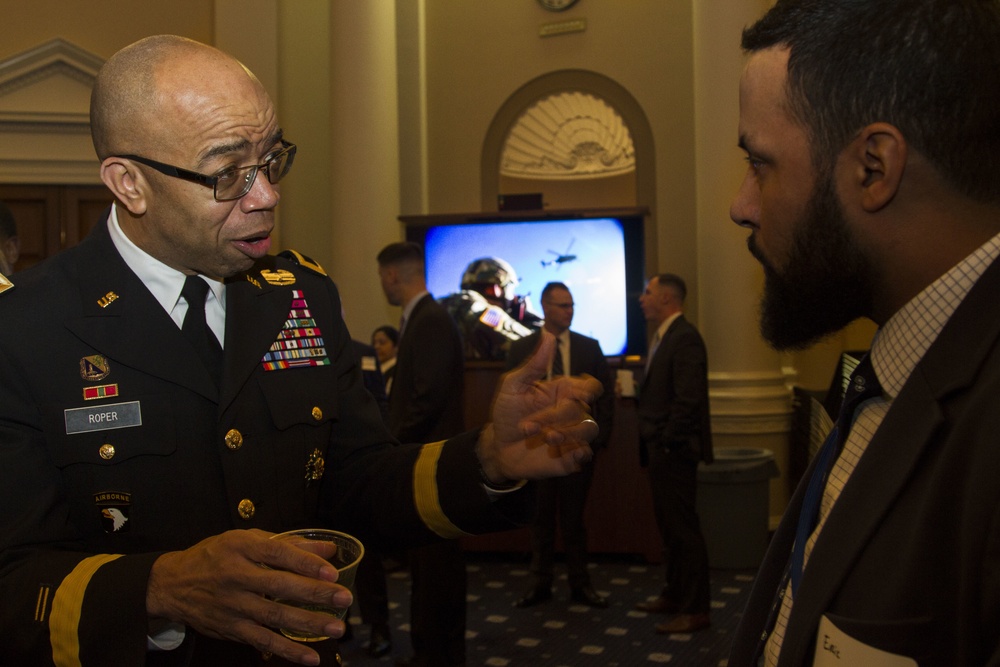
<point>585,357</point>
<point>673,396</point>
<point>425,403</point>
<point>909,558</point>
<point>256,454</point>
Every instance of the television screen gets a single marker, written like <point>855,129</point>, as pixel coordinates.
<point>600,259</point>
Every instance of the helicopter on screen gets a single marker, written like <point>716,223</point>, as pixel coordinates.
<point>561,258</point>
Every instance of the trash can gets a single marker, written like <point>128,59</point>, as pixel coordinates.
<point>733,506</point>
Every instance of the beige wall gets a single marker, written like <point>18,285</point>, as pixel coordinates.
<point>100,26</point>
<point>480,53</point>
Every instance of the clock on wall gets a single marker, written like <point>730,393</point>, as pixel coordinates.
<point>557,5</point>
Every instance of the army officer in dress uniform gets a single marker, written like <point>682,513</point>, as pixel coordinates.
<point>172,395</point>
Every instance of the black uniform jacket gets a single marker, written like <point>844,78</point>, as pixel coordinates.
<point>908,561</point>
<point>427,386</point>
<point>116,445</point>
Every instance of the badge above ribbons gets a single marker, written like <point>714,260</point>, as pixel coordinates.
<point>300,341</point>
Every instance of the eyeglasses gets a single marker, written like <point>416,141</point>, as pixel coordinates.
<point>234,182</point>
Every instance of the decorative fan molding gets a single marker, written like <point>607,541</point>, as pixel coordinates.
<point>45,114</point>
<point>568,135</point>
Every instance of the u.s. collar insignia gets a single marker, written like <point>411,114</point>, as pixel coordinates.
<point>107,299</point>
<point>5,283</point>
<point>279,277</point>
<point>94,368</point>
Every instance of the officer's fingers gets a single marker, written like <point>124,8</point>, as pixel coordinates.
<point>537,365</point>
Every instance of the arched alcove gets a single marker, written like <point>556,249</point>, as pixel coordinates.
<point>587,84</point>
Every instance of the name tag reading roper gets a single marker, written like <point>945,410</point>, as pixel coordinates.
<point>103,417</point>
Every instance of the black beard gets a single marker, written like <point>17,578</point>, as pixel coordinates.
<point>826,282</point>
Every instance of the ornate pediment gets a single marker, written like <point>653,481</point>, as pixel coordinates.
<point>45,114</point>
<point>568,135</point>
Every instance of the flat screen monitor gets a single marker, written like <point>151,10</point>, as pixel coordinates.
<point>600,258</point>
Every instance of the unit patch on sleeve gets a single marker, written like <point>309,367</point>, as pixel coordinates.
<point>300,342</point>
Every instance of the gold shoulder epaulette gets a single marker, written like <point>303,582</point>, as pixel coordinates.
<point>303,261</point>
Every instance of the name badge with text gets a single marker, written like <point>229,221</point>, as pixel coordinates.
<point>103,417</point>
<point>836,647</point>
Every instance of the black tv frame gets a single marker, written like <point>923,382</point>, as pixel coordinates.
<point>633,225</point>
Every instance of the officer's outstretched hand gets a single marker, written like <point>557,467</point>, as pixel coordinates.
<point>538,428</point>
<point>219,588</point>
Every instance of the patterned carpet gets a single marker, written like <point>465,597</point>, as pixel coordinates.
<point>563,634</point>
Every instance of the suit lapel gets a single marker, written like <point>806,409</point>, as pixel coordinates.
<point>881,473</point>
<point>659,352</point>
<point>120,318</point>
<point>889,461</point>
<point>255,312</point>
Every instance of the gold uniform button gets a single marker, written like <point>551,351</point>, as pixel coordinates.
<point>246,509</point>
<point>107,452</point>
<point>234,439</point>
<point>317,413</point>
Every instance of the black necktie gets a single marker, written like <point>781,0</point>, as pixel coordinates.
<point>863,385</point>
<point>195,328</point>
<point>557,364</point>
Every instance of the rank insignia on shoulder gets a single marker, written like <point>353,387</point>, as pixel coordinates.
<point>279,277</point>
<point>303,261</point>
<point>114,507</point>
<point>95,367</point>
<point>5,283</point>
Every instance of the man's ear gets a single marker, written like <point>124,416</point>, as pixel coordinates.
<point>877,160</point>
<point>126,183</point>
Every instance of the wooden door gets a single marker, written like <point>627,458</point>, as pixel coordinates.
<point>51,218</point>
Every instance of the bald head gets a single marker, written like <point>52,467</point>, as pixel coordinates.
<point>134,85</point>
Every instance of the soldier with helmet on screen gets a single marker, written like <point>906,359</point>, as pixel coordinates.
<point>487,311</point>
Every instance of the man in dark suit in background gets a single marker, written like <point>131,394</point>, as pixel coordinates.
<point>567,496</point>
<point>674,435</point>
<point>370,589</point>
<point>426,405</point>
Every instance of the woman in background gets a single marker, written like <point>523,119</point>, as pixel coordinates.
<point>385,339</point>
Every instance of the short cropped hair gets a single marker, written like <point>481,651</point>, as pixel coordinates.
<point>675,281</point>
<point>552,286</point>
<point>931,68</point>
<point>401,253</point>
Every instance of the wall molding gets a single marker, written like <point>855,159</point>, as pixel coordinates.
<point>45,115</point>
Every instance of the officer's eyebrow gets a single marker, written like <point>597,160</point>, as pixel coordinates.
<point>236,146</point>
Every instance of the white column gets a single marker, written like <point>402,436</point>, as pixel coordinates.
<point>364,140</point>
<point>751,402</point>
